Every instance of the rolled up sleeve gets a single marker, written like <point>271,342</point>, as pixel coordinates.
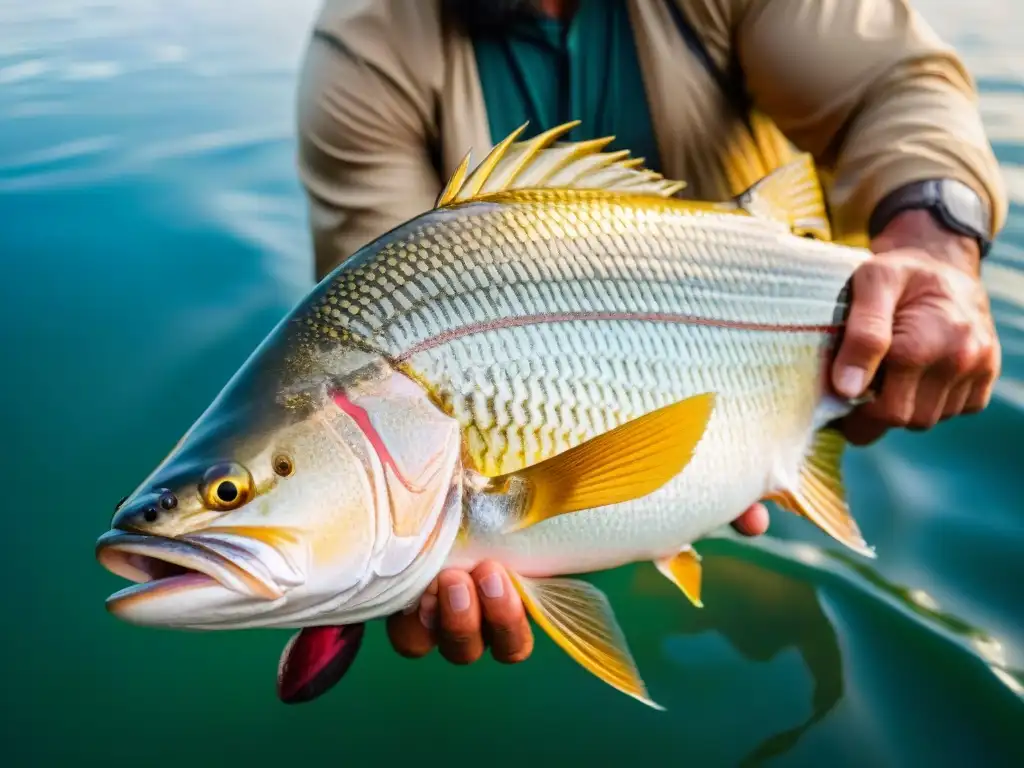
<point>870,90</point>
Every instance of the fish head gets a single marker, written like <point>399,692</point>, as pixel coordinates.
<point>319,505</point>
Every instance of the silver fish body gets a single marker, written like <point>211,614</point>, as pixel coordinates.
<point>560,367</point>
<point>542,323</point>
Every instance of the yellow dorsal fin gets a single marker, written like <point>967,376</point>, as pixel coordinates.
<point>791,195</point>
<point>545,163</point>
<point>451,189</point>
<point>684,571</point>
<point>625,463</point>
<point>490,166</point>
<point>578,617</point>
<point>519,156</point>
<point>819,495</point>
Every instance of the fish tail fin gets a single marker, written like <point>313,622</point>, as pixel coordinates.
<point>578,617</point>
<point>791,195</point>
<point>625,463</point>
<point>819,495</point>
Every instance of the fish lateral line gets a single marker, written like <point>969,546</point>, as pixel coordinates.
<point>602,316</point>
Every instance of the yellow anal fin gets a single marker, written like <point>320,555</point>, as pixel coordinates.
<point>791,195</point>
<point>683,570</point>
<point>545,163</point>
<point>625,463</point>
<point>578,617</point>
<point>820,496</point>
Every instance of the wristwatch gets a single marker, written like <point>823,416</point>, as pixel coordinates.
<point>952,203</point>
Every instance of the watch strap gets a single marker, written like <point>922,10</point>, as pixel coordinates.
<point>954,205</point>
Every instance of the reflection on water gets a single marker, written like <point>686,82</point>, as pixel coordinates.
<point>763,599</point>
<point>762,613</point>
<point>919,602</point>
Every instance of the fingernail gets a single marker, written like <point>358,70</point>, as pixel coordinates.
<point>458,597</point>
<point>428,611</point>
<point>851,381</point>
<point>492,586</point>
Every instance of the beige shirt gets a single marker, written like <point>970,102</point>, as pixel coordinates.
<point>390,102</point>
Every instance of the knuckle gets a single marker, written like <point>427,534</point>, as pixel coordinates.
<point>934,281</point>
<point>965,358</point>
<point>915,354</point>
<point>503,620</point>
<point>448,578</point>
<point>870,335</point>
<point>895,417</point>
<point>461,648</point>
<point>874,273</point>
<point>989,360</point>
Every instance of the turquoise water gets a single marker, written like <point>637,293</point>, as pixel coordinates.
<point>152,232</point>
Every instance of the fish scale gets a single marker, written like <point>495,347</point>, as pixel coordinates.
<point>732,270</point>
<point>749,265</point>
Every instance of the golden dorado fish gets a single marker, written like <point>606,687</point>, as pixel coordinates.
<point>561,366</point>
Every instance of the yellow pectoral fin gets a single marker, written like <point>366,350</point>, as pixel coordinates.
<point>819,495</point>
<point>578,617</point>
<point>623,464</point>
<point>683,570</point>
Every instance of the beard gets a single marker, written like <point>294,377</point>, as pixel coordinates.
<point>483,17</point>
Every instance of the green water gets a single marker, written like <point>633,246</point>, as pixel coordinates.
<point>152,231</point>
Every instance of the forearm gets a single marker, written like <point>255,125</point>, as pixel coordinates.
<point>921,124</point>
<point>870,90</point>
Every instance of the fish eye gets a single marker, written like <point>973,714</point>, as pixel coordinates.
<point>283,465</point>
<point>225,487</point>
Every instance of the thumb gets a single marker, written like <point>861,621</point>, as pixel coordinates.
<point>876,290</point>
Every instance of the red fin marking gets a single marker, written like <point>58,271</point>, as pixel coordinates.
<point>362,420</point>
<point>315,660</point>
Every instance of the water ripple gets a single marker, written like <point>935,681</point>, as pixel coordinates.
<point>139,160</point>
<point>23,70</point>
<point>909,603</point>
<point>71,151</point>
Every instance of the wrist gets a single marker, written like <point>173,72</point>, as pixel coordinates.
<point>950,213</point>
<point>919,230</point>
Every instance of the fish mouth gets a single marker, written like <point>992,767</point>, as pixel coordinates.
<point>162,567</point>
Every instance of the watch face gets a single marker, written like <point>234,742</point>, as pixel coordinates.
<point>963,205</point>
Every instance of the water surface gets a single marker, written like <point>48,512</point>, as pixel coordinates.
<point>152,231</point>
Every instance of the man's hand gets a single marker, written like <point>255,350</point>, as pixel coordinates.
<point>920,313</point>
<point>463,613</point>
